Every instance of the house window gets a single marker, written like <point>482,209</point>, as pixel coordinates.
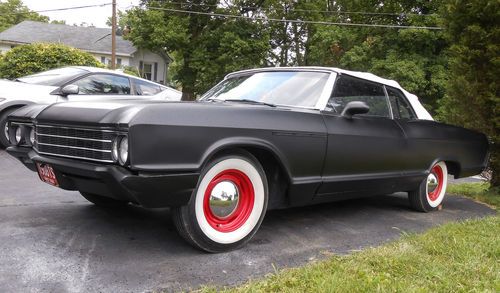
<point>119,61</point>
<point>103,60</point>
<point>147,71</point>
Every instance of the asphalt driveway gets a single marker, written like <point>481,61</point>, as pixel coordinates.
<point>53,240</point>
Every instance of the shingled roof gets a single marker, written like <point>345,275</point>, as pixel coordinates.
<point>91,39</point>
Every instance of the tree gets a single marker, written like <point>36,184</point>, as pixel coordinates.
<point>204,47</point>
<point>13,12</point>
<point>28,59</point>
<point>473,91</point>
<point>414,57</point>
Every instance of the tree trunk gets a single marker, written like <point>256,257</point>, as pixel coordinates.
<point>495,167</point>
<point>188,79</point>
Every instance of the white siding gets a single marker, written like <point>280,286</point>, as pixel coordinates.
<point>107,58</point>
<point>148,57</point>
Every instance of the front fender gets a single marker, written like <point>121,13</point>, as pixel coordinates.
<point>245,142</point>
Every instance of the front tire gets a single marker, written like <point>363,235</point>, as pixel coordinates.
<point>103,201</point>
<point>430,194</point>
<point>228,205</point>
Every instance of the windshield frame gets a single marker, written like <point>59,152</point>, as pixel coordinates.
<point>320,103</point>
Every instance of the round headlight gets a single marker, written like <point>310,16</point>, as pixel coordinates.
<point>114,150</point>
<point>19,135</point>
<point>123,151</point>
<point>32,136</point>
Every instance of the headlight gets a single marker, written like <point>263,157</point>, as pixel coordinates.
<point>19,135</point>
<point>32,136</point>
<point>123,151</point>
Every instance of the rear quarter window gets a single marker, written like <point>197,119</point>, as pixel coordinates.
<point>144,88</point>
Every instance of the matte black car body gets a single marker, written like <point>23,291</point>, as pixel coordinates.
<point>170,142</point>
<point>305,155</point>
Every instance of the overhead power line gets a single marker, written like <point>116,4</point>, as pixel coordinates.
<point>297,20</point>
<point>57,9</point>
<point>306,10</point>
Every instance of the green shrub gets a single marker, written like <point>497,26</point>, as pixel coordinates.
<point>28,59</point>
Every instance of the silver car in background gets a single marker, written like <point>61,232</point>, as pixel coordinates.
<point>75,83</point>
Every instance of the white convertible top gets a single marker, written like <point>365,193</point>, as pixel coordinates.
<point>413,99</point>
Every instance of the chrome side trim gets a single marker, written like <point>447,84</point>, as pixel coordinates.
<point>74,137</point>
<point>72,147</point>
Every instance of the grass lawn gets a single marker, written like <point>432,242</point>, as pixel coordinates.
<point>477,191</point>
<point>456,257</point>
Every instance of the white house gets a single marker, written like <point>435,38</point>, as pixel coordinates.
<point>96,41</point>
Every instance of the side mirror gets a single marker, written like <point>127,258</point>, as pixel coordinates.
<point>70,89</point>
<point>354,108</point>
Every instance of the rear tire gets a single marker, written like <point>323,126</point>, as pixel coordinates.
<point>103,201</point>
<point>430,194</point>
<point>228,205</point>
<point>4,137</point>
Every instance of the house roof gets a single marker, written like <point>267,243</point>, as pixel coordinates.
<point>91,39</point>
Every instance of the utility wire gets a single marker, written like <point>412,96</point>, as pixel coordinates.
<point>304,10</point>
<point>297,20</point>
<point>243,17</point>
<point>57,9</point>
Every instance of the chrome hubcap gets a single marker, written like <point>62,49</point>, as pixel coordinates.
<point>432,183</point>
<point>224,199</point>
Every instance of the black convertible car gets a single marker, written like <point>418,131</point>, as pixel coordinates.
<point>261,139</point>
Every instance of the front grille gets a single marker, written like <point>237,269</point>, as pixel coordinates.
<point>74,142</point>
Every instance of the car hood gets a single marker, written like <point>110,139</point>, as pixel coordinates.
<point>125,112</point>
<point>93,113</point>
<point>13,90</point>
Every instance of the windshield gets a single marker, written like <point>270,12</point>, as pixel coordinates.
<point>290,88</point>
<point>54,77</point>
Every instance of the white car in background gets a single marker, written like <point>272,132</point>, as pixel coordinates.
<point>75,83</point>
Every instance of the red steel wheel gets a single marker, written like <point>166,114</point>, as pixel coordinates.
<point>228,200</point>
<point>430,194</point>
<point>435,182</point>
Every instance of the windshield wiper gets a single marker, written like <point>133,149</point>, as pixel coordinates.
<point>248,101</point>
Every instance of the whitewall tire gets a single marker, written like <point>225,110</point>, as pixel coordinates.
<point>430,194</point>
<point>228,205</point>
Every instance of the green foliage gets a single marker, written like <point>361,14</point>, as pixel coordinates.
<point>131,70</point>
<point>478,191</point>
<point>28,59</point>
<point>204,48</point>
<point>473,91</point>
<point>13,12</point>
<point>414,57</point>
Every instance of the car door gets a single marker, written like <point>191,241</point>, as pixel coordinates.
<point>423,139</point>
<point>364,153</point>
<point>101,86</point>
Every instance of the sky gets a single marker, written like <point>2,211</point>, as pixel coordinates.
<point>96,16</point>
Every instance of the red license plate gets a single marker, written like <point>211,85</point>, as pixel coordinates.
<point>47,174</point>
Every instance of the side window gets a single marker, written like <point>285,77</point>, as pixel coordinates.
<point>145,88</point>
<point>103,84</point>
<point>400,105</point>
<point>348,89</point>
